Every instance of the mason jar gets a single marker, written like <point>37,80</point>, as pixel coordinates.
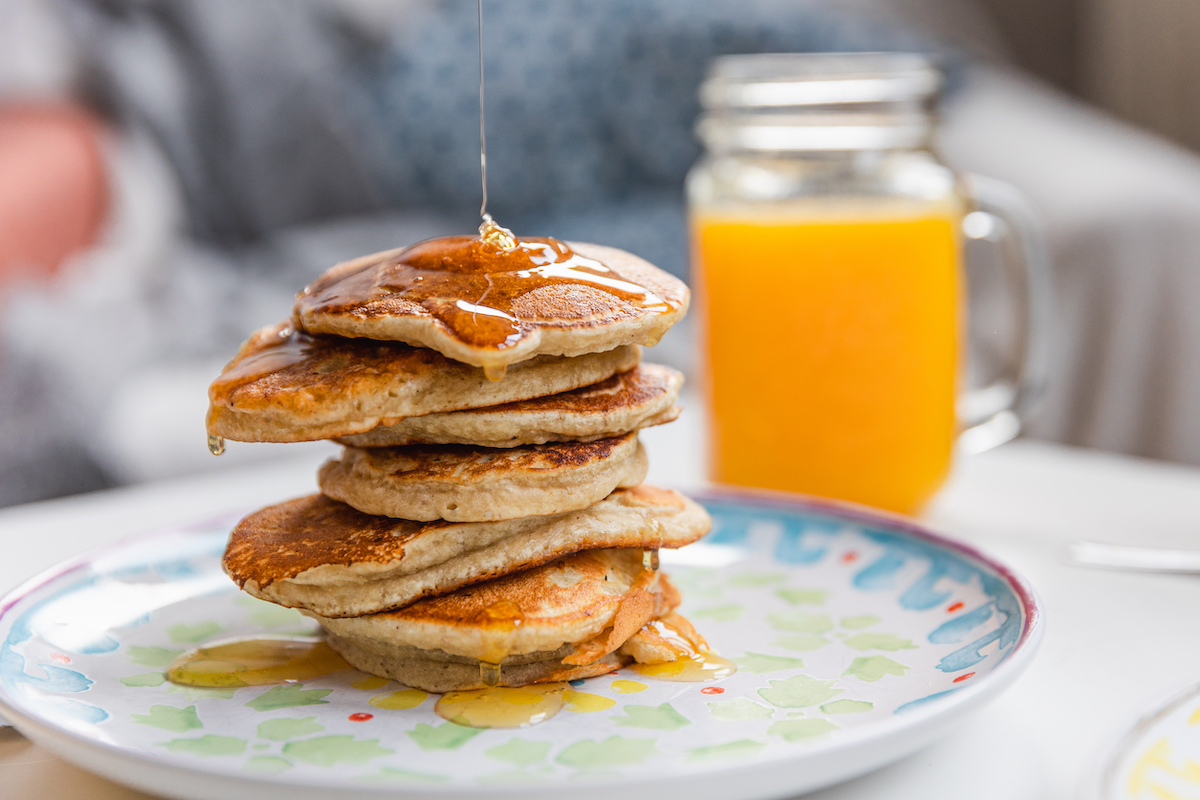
<point>828,242</point>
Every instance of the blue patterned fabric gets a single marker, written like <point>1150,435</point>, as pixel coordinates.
<point>590,106</point>
<point>279,113</point>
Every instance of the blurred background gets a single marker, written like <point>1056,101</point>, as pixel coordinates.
<point>172,171</point>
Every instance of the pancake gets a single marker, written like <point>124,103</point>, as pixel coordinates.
<point>413,667</point>
<point>539,624</point>
<point>287,386</point>
<point>477,303</point>
<point>629,401</point>
<point>322,555</point>
<point>462,483</point>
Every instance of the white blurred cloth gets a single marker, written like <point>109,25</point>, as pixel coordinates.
<point>1122,214</point>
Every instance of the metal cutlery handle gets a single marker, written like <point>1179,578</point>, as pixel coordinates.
<point>1143,559</point>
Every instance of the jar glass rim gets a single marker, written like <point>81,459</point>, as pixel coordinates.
<point>774,80</point>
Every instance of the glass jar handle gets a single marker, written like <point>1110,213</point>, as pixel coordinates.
<point>993,414</point>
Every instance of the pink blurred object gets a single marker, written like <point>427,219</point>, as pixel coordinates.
<point>53,187</point>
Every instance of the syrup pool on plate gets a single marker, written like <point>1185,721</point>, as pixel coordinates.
<point>256,661</point>
<point>501,706</point>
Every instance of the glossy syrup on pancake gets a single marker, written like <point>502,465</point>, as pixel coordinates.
<point>470,284</point>
<point>287,348</point>
<point>290,347</point>
<point>255,661</point>
<point>694,662</point>
<point>473,285</point>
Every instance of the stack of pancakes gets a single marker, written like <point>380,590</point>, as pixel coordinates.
<point>486,523</point>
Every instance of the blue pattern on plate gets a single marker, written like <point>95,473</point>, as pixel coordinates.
<point>840,624</point>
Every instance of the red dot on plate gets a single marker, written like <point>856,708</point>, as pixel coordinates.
<point>712,690</point>
<point>360,717</point>
<point>954,607</point>
<point>60,658</point>
<point>848,557</point>
<point>963,677</point>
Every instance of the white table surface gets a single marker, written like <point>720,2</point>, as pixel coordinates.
<point>1115,642</point>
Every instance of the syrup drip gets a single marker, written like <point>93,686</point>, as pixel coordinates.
<point>287,347</point>
<point>501,707</point>
<point>256,661</point>
<point>501,614</point>
<point>696,663</point>
<point>650,560</point>
<point>489,673</point>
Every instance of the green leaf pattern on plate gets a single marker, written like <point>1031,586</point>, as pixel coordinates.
<point>826,645</point>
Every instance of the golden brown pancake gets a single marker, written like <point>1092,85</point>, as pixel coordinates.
<point>628,401</point>
<point>287,386</point>
<point>477,303</point>
<point>435,673</point>
<point>463,483</point>
<point>539,624</point>
<point>322,555</point>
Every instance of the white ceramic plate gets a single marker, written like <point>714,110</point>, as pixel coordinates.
<point>859,638</point>
<point>1159,757</point>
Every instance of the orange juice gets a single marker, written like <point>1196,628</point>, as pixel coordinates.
<point>833,345</point>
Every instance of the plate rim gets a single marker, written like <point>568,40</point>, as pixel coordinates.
<point>1107,759</point>
<point>921,719</point>
<point>1030,602</point>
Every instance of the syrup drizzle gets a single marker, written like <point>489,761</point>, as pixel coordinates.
<point>489,230</point>
<point>489,673</point>
<point>441,274</point>
<point>696,662</point>
<point>286,347</point>
<point>502,614</point>
<point>650,560</point>
<point>256,661</point>
<point>480,288</point>
<point>320,355</point>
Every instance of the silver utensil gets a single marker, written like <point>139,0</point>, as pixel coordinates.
<point>1141,559</point>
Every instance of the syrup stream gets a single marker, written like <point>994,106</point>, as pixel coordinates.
<point>489,230</point>
<point>482,129</point>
